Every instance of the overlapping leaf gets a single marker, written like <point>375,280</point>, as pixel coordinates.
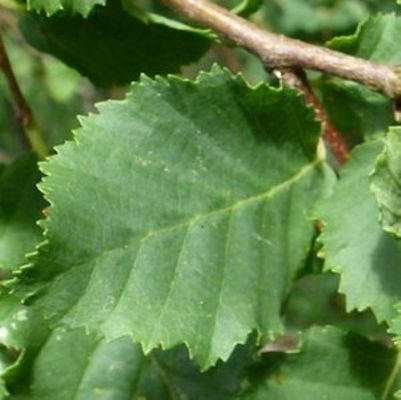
<point>332,365</point>
<point>60,364</point>
<point>180,215</point>
<point>82,7</point>
<point>356,111</point>
<point>355,246</point>
<point>373,40</point>
<point>72,364</point>
<point>386,182</point>
<point>113,47</point>
<point>20,207</point>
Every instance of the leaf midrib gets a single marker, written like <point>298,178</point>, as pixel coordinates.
<point>239,204</point>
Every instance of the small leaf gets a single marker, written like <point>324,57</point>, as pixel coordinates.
<point>374,40</point>
<point>178,216</point>
<point>331,365</point>
<point>386,182</point>
<point>247,7</point>
<point>354,244</point>
<point>356,111</point>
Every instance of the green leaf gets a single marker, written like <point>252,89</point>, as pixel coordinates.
<point>20,207</point>
<point>356,111</point>
<point>317,19</point>
<point>112,47</point>
<point>190,224</point>
<point>82,7</point>
<point>386,183</point>
<point>21,326</point>
<point>332,365</point>
<point>40,363</point>
<point>245,8</point>
<point>61,364</point>
<point>354,244</point>
<point>22,330</point>
<point>395,326</point>
<point>374,40</point>
<point>72,364</point>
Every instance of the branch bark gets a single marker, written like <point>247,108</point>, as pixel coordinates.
<point>280,52</point>
<point>31,136</point>
<point>297,79</point>
<point>22,110</point>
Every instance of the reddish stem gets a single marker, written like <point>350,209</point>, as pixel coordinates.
<point>297,78</point>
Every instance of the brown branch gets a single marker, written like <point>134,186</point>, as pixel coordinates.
<point>30,134</point>
<point>297,79</point>
<point>22,111</point>
<point>278,51</point>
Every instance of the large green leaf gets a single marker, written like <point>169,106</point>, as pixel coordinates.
<point>180,215</point>
<point>355,246</point>
<point>20,208</point>
<point>113,47</point>
<point>75,6</point>
<point>386,182</point>
<point>332,365</point>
